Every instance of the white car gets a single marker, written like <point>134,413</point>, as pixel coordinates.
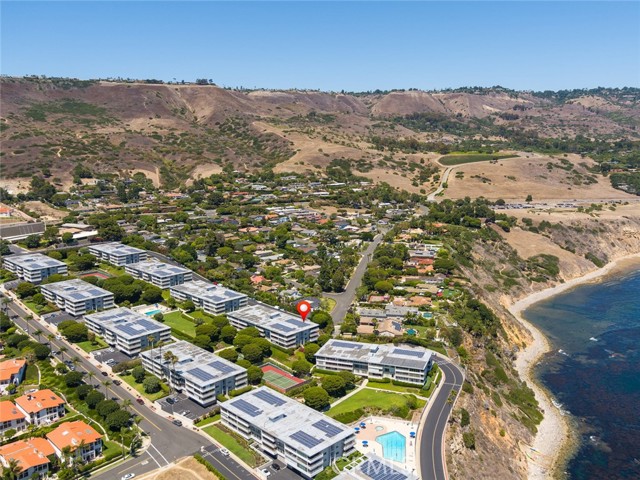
<point>265,472</point>
<point>128,476</point>
<point>224,452</point>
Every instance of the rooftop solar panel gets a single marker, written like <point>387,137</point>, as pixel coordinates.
<point>305,439</point>
<point>281,327</point>
<point>326,427</point>
<point>246,407</point>
<point>379,471</point>
<point>201,374</point>
<point>340,344</point>
<point>222,367</point>
<point>408,353</point>
<point>269,398</point>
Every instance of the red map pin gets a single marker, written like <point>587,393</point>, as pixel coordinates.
<point>304,308</point>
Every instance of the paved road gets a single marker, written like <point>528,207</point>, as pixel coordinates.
<point>345,299</point>
<point>432,431</point>
<point>168,442</point>
<point>445,177</point>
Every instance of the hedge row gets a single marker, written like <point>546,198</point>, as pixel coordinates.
<point>200,459</point>
<point>240,391</point>
<point>350,417</point>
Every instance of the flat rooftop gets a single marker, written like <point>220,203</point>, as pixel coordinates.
<point>404,356</point>
<point>76,290</point>
<point>375,468</point>
<point>272,319</point>
<point>295,424</point>
<point>195,363</point>
<point>116,248</point>
<point>127,323</point>
<point>208,291</point>
<point>34,261</point>
<point>158,269</point>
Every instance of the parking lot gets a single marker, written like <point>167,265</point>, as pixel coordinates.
<point>110,356</point>
<point>183,404</point>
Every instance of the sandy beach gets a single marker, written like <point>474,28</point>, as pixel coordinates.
<point>554,433</point>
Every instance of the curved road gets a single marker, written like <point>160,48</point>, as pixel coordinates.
<point>445,177</point>
<point>434,423</point>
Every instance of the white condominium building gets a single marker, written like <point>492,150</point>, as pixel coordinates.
<point>34,267</point>
<point>213,299</point>
<point>280,328</point>
<point>77,297</point>
<point>160,274</point>
<point>118,254</point>
<point>403,363</point>
<point>201,375</point>
<point>304,439</point>
<point>128,331</point>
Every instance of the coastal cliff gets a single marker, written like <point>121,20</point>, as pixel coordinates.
<point>546,254</point>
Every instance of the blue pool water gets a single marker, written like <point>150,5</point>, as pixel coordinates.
<point>152,312</point>
<point>393,446</point>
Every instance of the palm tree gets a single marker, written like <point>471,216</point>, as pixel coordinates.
<point>11,470</point>
<point>50,336</point>
<point>151,339</point>
<point>37,334</point>
<point>75,360</point>
<point>91,375</point>
<point>107,383</point>
<point>172,359</point>
<point>62,350</point>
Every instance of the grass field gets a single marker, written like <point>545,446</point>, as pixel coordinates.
<point>393,388</point>
<point>40,309</point>
<point>331,303</point>
<point>140,389</point>
<point>201,315</point>
<point>233,444</point>
<point>179,322</point>
<point>366,398</point>
<point>450,160</point>
<point>31,375</point>
<point>90,347</point>
<point>208,421</point>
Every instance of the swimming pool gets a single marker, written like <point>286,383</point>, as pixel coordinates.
<point>393,446</point>
<point>152,312</point>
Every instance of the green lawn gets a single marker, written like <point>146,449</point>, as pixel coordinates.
<point>208,421</point>
<point>450,160</point>
<point>138,387</point>
<point>234,444</point>
<point>383,402</point>
<point>393,388</point>
<point>112,269</point>
<point>40,309</point>
<point>331,303</point>
<point>201,315</point>
<point>31,375</point>
<point>90,347</point>
<point>179,322</point>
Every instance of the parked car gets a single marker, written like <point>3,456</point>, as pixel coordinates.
<point>177,423</point>
<point>140,401</point>
<point>265,472</point>
<point>224,452</point>
<point>171,401</point>
<point>104,374</point>
<point>128,476</point>
<point>275,466</point>
<point>117,382</point>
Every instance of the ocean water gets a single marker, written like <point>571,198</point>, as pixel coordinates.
<point>594,372</point>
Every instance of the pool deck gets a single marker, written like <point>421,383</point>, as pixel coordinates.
<point>386,425</point>
<point>147,309</point>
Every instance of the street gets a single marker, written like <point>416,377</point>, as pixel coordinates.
<point>168,442</point>
<point>432,430</point>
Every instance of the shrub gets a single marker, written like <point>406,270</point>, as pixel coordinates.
<point>228,354</point>
<point>316,398</point>
<point>106,407</point>
<point>83,390</point>
<point>465,419</point>
<point>349,417</point>
<point>334,385</point>
<point>151,385</point>
<point>240,391</point>
<point>138,374</point>
<point>469,440</point>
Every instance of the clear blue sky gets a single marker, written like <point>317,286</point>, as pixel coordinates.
<point>329,46</point>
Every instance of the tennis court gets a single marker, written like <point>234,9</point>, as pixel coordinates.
<point>279,379</point>
<point>97,274</point>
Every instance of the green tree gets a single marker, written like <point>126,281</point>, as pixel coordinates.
<point>83,390</point>
<point>117,420</point>
<point>383,286</point>
<point>94,398</point>
<point>316,398</point>
<point>254,375</point>
<point>301,367</point>
<point>106,407</point>
<point>138,374</point>
<point>151,385</point>
<point>26,289</point>
<point>349,379</point>
<point>228,333</point>
<point>334,385</point>
<point>32,241</point>
<point>73,379</point>
<point>228,354</point>
<point>151,294</point>
<point>321,318</point>
<point>67,238</point>
<point>252,353</point>
<point>310,350</point>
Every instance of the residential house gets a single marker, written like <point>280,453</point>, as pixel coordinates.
<point>42,407</point>
<point>33,457</point>
<point>11,418</point>
<point>12,371</point>
<point>80,440</point>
